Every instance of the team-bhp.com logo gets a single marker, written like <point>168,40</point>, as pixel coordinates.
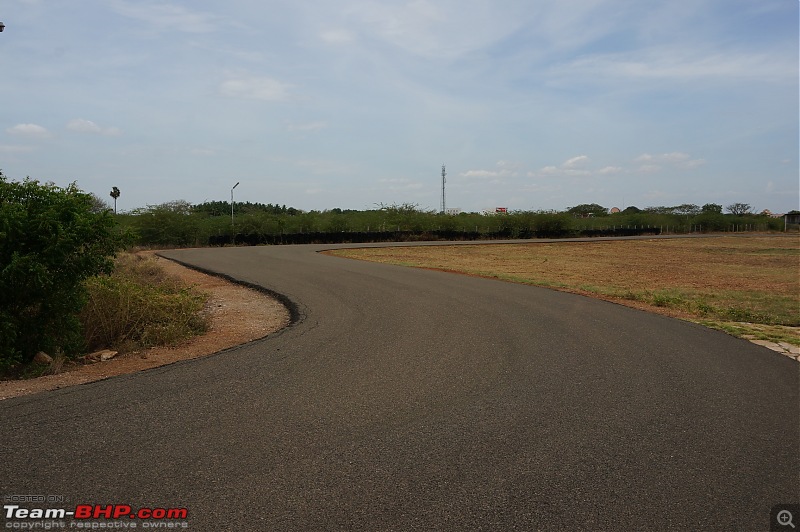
<point>95,516</point>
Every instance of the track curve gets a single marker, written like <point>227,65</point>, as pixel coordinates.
<point>412,399</point>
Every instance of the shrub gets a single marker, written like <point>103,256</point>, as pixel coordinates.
<point>50,242</point>
<point>138,306</point>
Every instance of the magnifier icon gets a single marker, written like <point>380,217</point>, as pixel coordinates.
<point>785,518</point>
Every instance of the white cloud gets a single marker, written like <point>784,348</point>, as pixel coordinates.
<point>675,157</point>
<point>255,88</point>
<point>694,163</point>
<point>575,161</point>
<point>649,168</point>
<point>654,163</point>
<point>547,170</point>
<point>504,169</point>
<point>29,130</point>
<point>166,17</point>
<point>610,170</point>
<point>80,125</point>
<point>337,36</point>
<point>670,63</point>
<point>572,167</point>
<point>480,173</point>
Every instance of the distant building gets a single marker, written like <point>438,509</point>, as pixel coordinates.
<point>501,210</point>
<point>615,210</point>
<point>453,211</point>
<point>791,218</point>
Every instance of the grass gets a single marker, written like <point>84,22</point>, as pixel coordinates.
<point>746,286</point>
<point>140,306</point>
<point>136,307</point>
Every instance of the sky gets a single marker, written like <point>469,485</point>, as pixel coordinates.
<point>318,104</point>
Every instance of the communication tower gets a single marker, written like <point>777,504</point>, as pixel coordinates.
<point>444,204</point>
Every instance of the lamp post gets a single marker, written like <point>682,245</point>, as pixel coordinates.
<point>233,235</point>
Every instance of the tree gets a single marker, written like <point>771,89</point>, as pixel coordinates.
<point>99,204</point>
<point>739,209</point>
<point>712,208</point>
<point>686,209</point>
<point>631,210</point>
<point>114,194</point>
<point>588,209</point>
<point>167,224</point>
<point>50,242</point>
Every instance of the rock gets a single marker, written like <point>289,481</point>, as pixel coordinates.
<point>99,356</point>
<point>42,358</point>
<point>105,354</point>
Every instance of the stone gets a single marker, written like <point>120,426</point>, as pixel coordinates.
<point>42,358</point>
<point>793,349</point>
<point>99,356</point>
<point>769,345</point>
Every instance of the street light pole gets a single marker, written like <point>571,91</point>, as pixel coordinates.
<point>233,235</point>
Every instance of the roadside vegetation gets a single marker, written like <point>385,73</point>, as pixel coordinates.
<point>138,306</point>
<point>180,223</point>
<point>64,289</point>
<point>748,287</point>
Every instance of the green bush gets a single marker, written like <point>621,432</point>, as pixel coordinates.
<point>50,242</point>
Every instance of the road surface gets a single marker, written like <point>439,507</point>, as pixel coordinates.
<point>407,399</point>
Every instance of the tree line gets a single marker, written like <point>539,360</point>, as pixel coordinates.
<point>179,223</point>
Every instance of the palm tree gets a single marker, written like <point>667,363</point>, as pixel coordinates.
<point>115,194</point>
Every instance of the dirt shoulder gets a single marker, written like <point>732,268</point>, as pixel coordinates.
<point>238,315</point>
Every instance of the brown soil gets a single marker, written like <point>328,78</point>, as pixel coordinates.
<point>238,315</point>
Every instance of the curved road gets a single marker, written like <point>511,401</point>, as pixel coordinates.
<point>407,399</point>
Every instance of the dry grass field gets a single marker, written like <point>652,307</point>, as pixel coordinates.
<point>747,286</point>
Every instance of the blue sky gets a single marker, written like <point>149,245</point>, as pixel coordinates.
<point>352,103</point>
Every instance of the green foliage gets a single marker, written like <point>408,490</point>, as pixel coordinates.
<point>168,224</point>
<point>51,240</point>
<point>712,221</point>
<point>178,223</point>
<point>139,306</point>
<point>552,223</point>
<point>686,209</point>
<point>586,209</point>
<point>712,208</point>
<point>223,208</point>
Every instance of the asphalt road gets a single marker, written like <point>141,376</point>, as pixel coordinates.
<point>408,399</point>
